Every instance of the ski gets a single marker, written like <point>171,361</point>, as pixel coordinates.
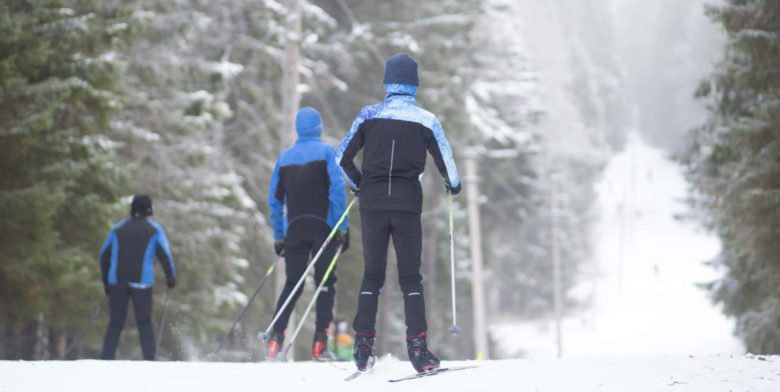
<point>369,368</point>
<point>331,362</point>
<point>431,373</point>
<point>355,375</point>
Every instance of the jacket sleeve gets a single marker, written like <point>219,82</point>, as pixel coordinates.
<point>441,151</point>
<point>348,149</point>
<point>276,196</point>
<point>164,256</point>
<point>337,195</point>
<point>105,256</point>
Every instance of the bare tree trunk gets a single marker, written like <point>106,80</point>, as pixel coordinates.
<point>290,76</point>
<point>41,338</point>
<point>58,343</point>
<point>4,333</point>
<point>27,341</point>
<point>290,96</point>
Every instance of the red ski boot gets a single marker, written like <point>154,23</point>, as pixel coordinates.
<point>274,345</point>
<point>319,349</point>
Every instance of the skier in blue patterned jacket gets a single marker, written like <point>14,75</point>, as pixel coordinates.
<point>395,137</point>
<point>126,266</point>
<point>308,182</point>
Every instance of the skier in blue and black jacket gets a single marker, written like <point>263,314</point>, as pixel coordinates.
<point>126,266</point>
<point>395,137</point>
<point>308,182</point>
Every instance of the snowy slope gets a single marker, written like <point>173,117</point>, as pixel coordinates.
<point>646,301</point>
<point>641,286</point>
<point>706,374</point>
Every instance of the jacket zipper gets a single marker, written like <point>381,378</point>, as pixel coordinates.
<point>390,173</point>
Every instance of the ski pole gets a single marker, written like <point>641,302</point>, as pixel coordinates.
<point>227,337</point>
<point>303,277</point>
<point>313,300</point>
<point>162,322</point>
<point>454,329</point>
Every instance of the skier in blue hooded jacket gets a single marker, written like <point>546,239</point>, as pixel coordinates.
<point>309,183</point>
<point>395,137</point>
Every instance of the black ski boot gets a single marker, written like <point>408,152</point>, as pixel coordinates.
<point>319,349</point>
<point>422,359</point>
<point>364,352</point>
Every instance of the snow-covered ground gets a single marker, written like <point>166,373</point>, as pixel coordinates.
<point>642,285</point>
<point>651,374</point>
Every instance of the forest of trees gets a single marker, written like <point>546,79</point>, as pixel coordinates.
<point>733,163</point>
<point>182,100</point>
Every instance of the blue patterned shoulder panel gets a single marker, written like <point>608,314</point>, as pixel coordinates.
<point>366,113</point>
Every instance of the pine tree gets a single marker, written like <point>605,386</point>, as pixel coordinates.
<point>733,162</point>
<point>58,92</point>
<point>172,143</point>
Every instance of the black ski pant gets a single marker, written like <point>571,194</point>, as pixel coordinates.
<point>304,239</point>
<point>119,297</point>
<point>406,230</point>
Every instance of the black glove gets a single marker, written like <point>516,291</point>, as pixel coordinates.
<point>171,282</point>
<point>279,248</point>
<point>343,237</point>
<point>452,190</point>
<point>354,192</point>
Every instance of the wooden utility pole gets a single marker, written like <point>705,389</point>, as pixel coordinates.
<point>475,232</point>
<point>290,75</point>
<point>555,246</point>
<point>290,98</point>
<point>471,183</point>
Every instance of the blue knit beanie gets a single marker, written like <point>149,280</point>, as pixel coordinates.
<point>308,122</point>
<point>401,69</point>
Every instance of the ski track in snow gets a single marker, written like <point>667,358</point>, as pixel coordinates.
<point>641,286</point>
<point>641,374</point>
